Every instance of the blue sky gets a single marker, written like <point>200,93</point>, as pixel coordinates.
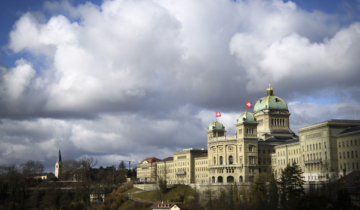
<point>103,77</point>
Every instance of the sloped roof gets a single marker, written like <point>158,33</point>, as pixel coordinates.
<point>150,160</point>
<point>349,130</point>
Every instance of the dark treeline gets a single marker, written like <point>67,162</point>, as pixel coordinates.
<point>21,189</point>
<point>286,193</point>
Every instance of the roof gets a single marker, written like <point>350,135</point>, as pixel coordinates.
<point>290,141</point>
<point>183,206</point>
<point>246,116</point>
<point>270,102</point>
<point>278,138</point>
<point>350,130</point>
<point>150,160</point>
<point>162,205</point>
<point>352,177</point>
<point>202,155</point>
<point>167,159</point>
<point>216,125</point>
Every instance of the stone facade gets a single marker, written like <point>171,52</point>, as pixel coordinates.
<point>264,143</point>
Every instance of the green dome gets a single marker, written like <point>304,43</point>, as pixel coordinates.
<point>270,102</point>
<point>246,116</point>
<point>216,125</point>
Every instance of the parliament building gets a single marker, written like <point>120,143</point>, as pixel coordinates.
<point>263,143</point>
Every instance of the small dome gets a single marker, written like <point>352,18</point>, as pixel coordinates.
<point>246,116</point>
<point>216,125</point>
<point>270,102</point>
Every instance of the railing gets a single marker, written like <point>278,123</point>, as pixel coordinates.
<point>223,138</point>
<point>180,173</point>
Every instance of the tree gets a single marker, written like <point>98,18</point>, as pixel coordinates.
<point>31,168</point>
<point>273,193</point>
<point>70,169</point>
<point>162,185</point>
<point>291,185</point>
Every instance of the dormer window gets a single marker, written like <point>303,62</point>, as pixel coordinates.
<point>276,99</point>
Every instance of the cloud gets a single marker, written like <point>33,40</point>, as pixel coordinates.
<point>129,79</point>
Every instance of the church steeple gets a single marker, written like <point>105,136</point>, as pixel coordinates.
<point>58,168</point>
<point>59,157</point>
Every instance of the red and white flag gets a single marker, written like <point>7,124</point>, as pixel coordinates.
<point>248,105</point>
<point>218,114</point>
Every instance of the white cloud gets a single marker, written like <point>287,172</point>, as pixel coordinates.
<point>153,73</point>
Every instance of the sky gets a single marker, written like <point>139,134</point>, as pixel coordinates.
<point>131,79</point>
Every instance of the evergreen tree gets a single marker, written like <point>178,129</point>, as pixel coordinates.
<point>291,185</point>
<point>273,193</point>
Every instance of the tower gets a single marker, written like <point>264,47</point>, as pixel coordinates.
<point>272,114</point>
<point>246,135</point>
<point>58,166</point>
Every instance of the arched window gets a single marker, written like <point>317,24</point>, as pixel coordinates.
<point>240,179</point>
<point>220,179</point>
<point>230,179</point>
<point>230,159</point>
<point>221,160</point>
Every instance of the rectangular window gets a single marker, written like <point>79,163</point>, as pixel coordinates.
<point>250,148</point>
<point>319,145</point>
<point>339,144</point>
<point>263,151</point>
<point>240,131</point>
<point>269,151</point>
<point>340,155</point>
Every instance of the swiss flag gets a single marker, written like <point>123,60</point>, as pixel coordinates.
<point>248,105</point>
<point>218,114</point>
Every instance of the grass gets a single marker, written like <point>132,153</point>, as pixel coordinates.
<point>129,204</point>
<point>173,195</point>
<point>134,189</point>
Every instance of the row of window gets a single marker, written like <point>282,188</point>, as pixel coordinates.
<point>314,146</point>
<point>231,160</point>
<point>348,154</point>
<point>278,122</point>
<point>291,160</point>
<point>264,151</point>
<point>314,156</point>
<point>201,162</point>
<point>264,161</point>
<point>349,166</point>
<point>347,143</point>
<point>248,131</point>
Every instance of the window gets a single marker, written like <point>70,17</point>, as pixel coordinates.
<point>259,151</point>
<point>348,155</point>
<point>240,131</point>
<point>263,151</point>
<point>343,144</point>
<point>307,147</point>
<point>230,160</point>
<point>344,155</point>
<point>355,142</point>
<point>356,154</point>
<point>316,146</point>
<point>325,156</point>
<point>250,148</point>
<point>273,151</point>
<point>214,160</point>
<point>339,144</point>
<point>221,160</point>
<point>269,151</point>
<point>319,145</point>
<point>264,161</point>
<point>347,143</point>
<point>324,144</point>
<point>340,155</point>
<point>259,161</point>
<point>251,160</point>
<point>310,147</point>
<point>352,154</point>
<point>303,148</point>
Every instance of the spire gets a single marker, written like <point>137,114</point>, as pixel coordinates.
<point>270,91</point>
<point>59,157</point>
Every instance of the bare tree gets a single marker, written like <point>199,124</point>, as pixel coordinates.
<point>31,168</point>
